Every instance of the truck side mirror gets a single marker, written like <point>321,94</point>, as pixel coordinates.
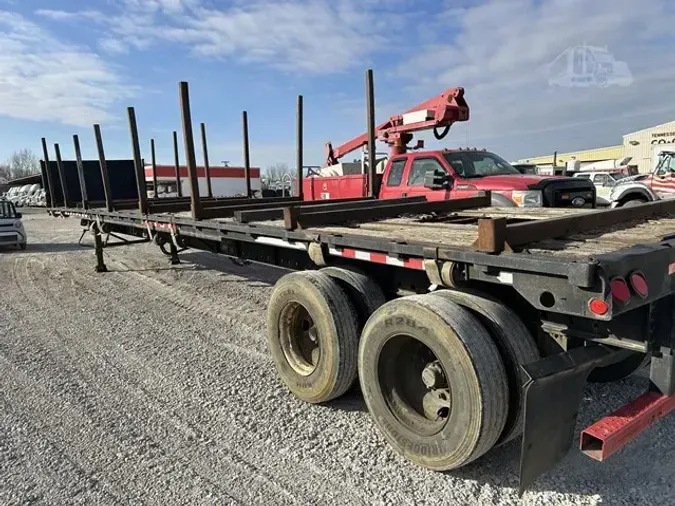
<point>19,216</point>
<point>437,180</point>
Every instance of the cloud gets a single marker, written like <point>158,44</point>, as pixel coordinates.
<point>58,15</point>
<point>113,46</point>
<point>314,36</point>
<point>44,79</point>
<point>500,51</point>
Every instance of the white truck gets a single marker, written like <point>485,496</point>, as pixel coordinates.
<point>604,181</point>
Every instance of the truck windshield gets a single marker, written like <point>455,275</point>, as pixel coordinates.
<point>7,210</point>
<point>666,163</point>
<point>471,164</point>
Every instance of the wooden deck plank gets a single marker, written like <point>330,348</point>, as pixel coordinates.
<point>531,213</point>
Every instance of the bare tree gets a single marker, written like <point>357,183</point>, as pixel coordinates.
<point>23,163</point>
<point>273,175</point>
<point>5,173</point>
<point>276,171</point>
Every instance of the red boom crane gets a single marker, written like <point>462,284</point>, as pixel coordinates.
<point>439,112</point>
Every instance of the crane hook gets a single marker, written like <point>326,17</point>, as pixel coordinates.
<point>441,135</point>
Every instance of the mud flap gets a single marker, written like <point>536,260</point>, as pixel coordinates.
<point>553,390</point>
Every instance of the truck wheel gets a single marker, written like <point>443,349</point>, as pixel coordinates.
<point>514,342</point>
<point>620,370</point>
<point>312,334</point>
<point>363,291</point>
<point>433,381</point>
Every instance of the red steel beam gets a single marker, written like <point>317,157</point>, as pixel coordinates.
<point>613,432</point>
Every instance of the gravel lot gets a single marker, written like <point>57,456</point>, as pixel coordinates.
<point>152,385</point>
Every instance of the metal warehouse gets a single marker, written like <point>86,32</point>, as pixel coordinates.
<point>643,146</point>
<point>584,157</point>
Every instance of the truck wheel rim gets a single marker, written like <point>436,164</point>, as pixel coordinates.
<point>414,385</point>
<point>300,341</point>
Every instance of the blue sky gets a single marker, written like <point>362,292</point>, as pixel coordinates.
<point>67,64</point>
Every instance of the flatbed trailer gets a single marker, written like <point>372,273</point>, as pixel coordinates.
<point>513,310</point>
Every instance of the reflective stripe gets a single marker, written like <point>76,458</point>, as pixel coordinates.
<point>378,258</point>
<point>275,241</point>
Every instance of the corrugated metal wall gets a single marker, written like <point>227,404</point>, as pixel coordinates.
<point>639,145</point>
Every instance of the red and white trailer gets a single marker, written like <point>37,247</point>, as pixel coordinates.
<point>225,181</point>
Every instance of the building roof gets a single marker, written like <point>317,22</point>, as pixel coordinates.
<point>669,123</point>
<point>22,181</point>
<point>587,155</point>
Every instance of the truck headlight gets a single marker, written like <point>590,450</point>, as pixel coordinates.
<point>18,224</point>
<point>531,198</point>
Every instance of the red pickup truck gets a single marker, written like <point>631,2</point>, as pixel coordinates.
<point>451,174</point>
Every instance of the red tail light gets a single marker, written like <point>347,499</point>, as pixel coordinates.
<point>639,284</point>
<point>620,290</point>
<point>598,307</point>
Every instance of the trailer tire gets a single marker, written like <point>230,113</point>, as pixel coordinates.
<point>312,335</point>
<point>515,344</point>
<point>363,291</point>
<point>402,339</point>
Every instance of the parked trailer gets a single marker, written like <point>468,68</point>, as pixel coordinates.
<point>514,310</point>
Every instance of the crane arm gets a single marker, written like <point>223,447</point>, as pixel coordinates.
<point>439,112</point>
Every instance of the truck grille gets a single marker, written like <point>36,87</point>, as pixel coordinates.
<point>8,238</point>
<point>574,193</point>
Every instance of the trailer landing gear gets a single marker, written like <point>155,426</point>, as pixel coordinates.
<point>98,247</point>
<point>173,254</point>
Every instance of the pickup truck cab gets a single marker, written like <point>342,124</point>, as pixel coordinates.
<point>12,232</point>
<point>451,174</point>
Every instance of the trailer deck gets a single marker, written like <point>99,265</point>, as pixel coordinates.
<point>460,230</point>
<point>457,230</point>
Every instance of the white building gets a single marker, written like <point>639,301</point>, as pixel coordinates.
<point>643,146</point>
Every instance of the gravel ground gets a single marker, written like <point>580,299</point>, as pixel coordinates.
<point>152,385</point>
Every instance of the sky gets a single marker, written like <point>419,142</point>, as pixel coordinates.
<point>67,64</point>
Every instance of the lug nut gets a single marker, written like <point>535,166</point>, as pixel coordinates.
<point>433,376</point>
